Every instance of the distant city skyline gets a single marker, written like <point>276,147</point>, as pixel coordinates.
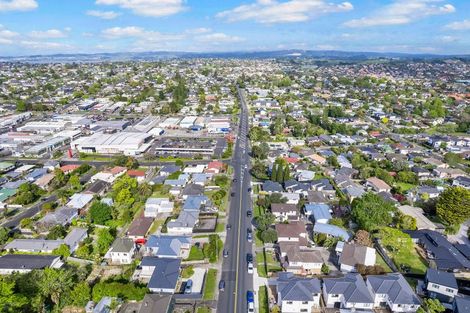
<point>96,26</point>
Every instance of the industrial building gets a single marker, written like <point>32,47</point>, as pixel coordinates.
<point>127,143</point>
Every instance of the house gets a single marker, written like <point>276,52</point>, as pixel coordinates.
<point>201,179</point>
<point>175,182</point>
<point>196,168</point>
<point>121,252</point>
<point>163,272</point>
<point>348,292</point>
<point>215,167</point>
<point>137,174</point>
<point>79,200</point>
<point>51,165</point>
<point>24,263</point>
<point>305,175</point>
<point>74,237</point>
<point>69,168</point>
<point>44,181</point>
<point>98,188</point>
<point>393,291</point>
<point>300,261</point>
<point>442,255</point>
<point>103,306</point>
<point>154,206</point>
<point>462,181</point>
<point>378,185</point>
<point>317,159</point>
<point>441,285</point>
<point>157,303</point>
<point>196,203</point>
<point>61,216</point>
<point>350,255</point>
<point>331,230</point>
<point>422,222</point>
<point>33,245</point>
<point>319,211</point>
<point>192,190</point>
<point>292,198</point>
<point>316,197</point>
<point>296,294</point>
<point>272,187</point>
<point>167,170</point>
<point>139,228</point>
<point>292,232</point>
<point>164,246</point>
<point>285,211</point>
<point>461,304</point>
<point>184,224</point>
<point>448,172</point>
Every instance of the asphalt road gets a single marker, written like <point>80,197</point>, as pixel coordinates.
<point>29,212</point>
<point>234,268</point>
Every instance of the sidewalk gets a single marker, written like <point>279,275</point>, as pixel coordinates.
<point>258,282</point>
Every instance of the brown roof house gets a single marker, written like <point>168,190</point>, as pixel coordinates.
<point>300,261</point>
<point>292,232</point>
<point>378,185</point>
<point>285,212</point>
<point>350,255</point>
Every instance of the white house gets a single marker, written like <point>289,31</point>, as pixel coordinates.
<point>348,292</point>
<point>441,285</point>
<point>153,206</point>
<point>297,294</point>
<point>351,255</point>
<point>121,251</point>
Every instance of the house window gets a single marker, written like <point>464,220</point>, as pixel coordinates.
<point>304,302</point>
<point>303,310</point>
<point>289,302</point>
<point>435,286</point>
<point>449,290</point>
<point>334,296</point>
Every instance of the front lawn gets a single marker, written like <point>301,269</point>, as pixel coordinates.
<point>405,186</point>
<point>195,254</point>
<point>380,261</point>
<point>204,309</point>
<point>220,227</point>
<point>410,259</point>
<point>263,299</point>
<point>209,287</point>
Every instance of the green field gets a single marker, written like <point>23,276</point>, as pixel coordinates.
<point>209,287</point>
<point>195,254</point>
<point>411,259</point>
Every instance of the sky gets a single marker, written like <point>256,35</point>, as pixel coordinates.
<point>95,26</point>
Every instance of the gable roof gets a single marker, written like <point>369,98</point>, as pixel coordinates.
<point>167,245</point>
<point>351,286</point>
<point>292,288</point>
<point>27,261</point>
<point>331,230</point>
<point>354,254</point>
<point>166,273</point>
<point>441,278</point>
<point>395,286</point>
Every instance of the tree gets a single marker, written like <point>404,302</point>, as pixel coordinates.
<point>105,238</point>
<point>10,301</point>
<point>406,222</point>
<point>27,193</point>
<point>4,235</point>
<point>286,174</point>
<point>274,172</point>
<point>452,205</point>
<point>325,269</point>
<point>395,240</point>
<point>362,237</point>
<point>371,211</point>
<point>453,159</point>
<point>54,283</point>
<point>265,221</point>
<point>81,294</point>
<point>75,184</point>
<point>126,161</point>
<point>57,232</point>
<point>269,235</point>
<point>260,151</point>
<point>100,212</point>
<point>431,306</point>
<point>63,250</point>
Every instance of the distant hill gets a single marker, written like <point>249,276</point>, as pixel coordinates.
<point>164,55</point>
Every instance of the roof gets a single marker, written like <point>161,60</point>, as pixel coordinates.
<point>351,286</point>
<point>441,278</point>
<point>69,167</point>
<point>166,273</point>
<point>292,288</point>
<point>422,222</point>
<point>194,203</point>
<point>283,207</point>
<point>293,229</point>
<point>79,200</point>
<point>395,286</point>
<point>193,190</point>
<point>167,245</point>
<point>6,193</point>
<point>462,304</point>
<point>155,303</point>
<point>26,261</point>
<point>136,173</point>
<point>320,211</point>
<point>331,230</point>
<point>378,183</point>
<point>122,245</point>
<point>36,245</point>
<point>271,186</point>
<point>354,254</point>
<point>140,226</point>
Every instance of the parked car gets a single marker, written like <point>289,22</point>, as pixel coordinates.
<point>225,253</point>
<point>249,257</point>
<point>249,236</point>
<point>248,213</point>
<point>229,227</point>
<point>222,285</point>
<point>188,288</point>
<point>250,299</point>
<point>250,268</point>
<point>232,194</point>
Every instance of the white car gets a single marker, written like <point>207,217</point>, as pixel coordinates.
<point>251,307</point>
<point>250,268</point>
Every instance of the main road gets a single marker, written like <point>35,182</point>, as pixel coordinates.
<point>234,267</point>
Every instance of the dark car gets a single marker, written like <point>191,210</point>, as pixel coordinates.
<point>225,253</point>
<point>234,180</point>
<point>229,227</point>
<point>248,213</point>
<point>249,257</point>
<point>232,194</point>
<point>249,189</point>
<point>221,285</point>
<point>250,298</point>
<point>189,287</point>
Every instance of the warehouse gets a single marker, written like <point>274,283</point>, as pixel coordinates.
<point>127,143</point>
<point>48,127</point>
<point>48,146</point>
<point>187,122</point>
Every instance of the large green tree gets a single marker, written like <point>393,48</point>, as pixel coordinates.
<point>100,212</point>
<point>371,211</point>
<point>453,205</point>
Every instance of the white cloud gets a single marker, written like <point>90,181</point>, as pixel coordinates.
<point>201,30</point>
<point>219,38</point>
<point>273,11</point>
<point>50,33</point>
<point>448,39</point>
<point>105,15</point>
<point>326,47</point>
<point>140,33</point>
<point>461,25</point>
<point>18,5</point>
<point>402,12</point>
<point>45,45</point>
<point>155,8</point>
<point>7,36</point>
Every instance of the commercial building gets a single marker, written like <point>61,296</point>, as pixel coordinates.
<point>127,143</point>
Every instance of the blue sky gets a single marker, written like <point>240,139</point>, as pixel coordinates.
<point>91,26</point>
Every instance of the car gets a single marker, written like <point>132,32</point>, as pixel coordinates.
<point>249,257</point>
<point>249,237</point>
<point>225,253</point>
<point>250,268</point>
<point>188,288</point>
<point>251,307</point>
<point>232,194</point>
<point>249,189</point>
<point>234,180</point>
<point>250,296</point>
<point>222,285</point>
<point>229,227</point>
<point>248,213</point>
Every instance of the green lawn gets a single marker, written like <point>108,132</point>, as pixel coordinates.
<point>204,309</point>
<point>409,258</point>
<point>209,287</point>
<point>266,265</point>
<point>220,227</point>
<point>380,261</point>
<point>263,299</point>
<point>156,225</point>
<point>405,186</point>
<point>187,272</point>
<point>261,265</point>
<point>195,254</point>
